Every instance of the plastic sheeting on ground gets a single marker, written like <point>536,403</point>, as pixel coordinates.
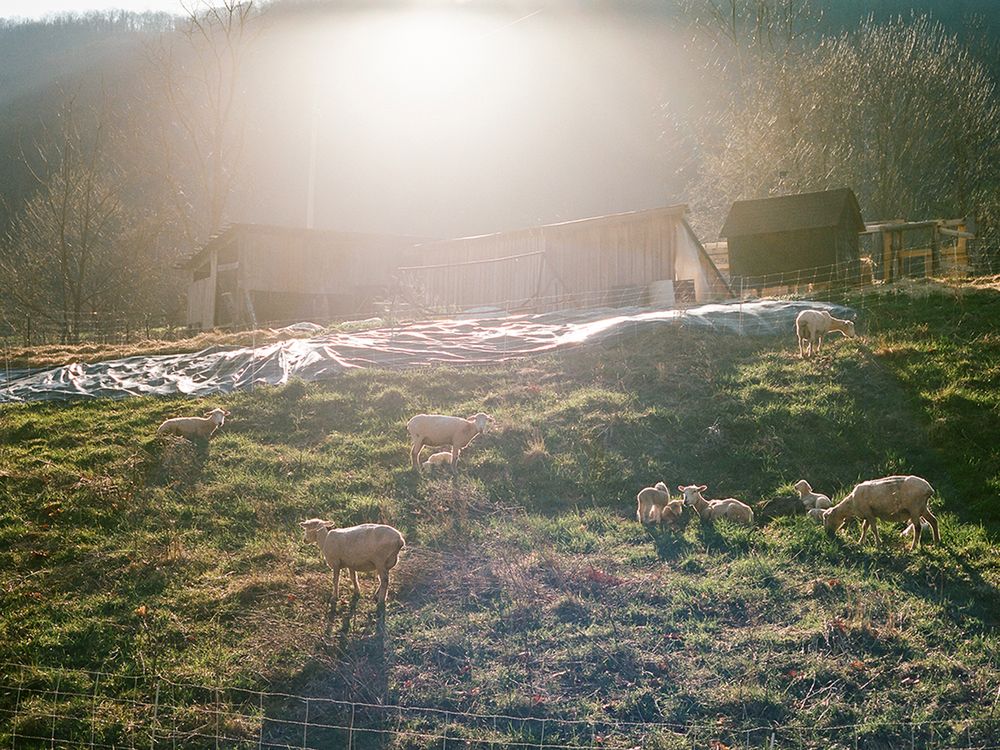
<point>224,369</point>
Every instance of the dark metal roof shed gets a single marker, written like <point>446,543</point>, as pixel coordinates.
<point>789,213</point>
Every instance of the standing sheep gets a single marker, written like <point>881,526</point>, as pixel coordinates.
<point>895,498</point>
<point>438,430</point>
<point>655,504</point>
<point>812,325</point>
<point>192,428</point>
<point>370,546</point>
<point>810,499</point>
<point>709,510</point>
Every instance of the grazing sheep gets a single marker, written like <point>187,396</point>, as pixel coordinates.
<point>655,504</point>
<point>895,498</point>
<point>440,458</point>
<point>201,428</point>
<point>812,325</point>
<point>709,510</point>
<point>812,499</point>
<point>370,546</point>
<point>438,430</point>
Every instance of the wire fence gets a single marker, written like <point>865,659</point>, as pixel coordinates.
<point>60,707</point>
<point>837,282</point>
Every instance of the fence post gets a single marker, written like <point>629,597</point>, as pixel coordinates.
<point>93,710</point>
<point>55,710</point>
<point>156,710</point>
<point>350,730</point>
<point>305,726</point>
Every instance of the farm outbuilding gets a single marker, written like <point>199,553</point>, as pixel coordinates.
<point>251,273</point>
<point>639,257</point>
<point>791,239</point>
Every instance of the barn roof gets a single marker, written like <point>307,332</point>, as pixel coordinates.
<point>788,213</point>
<point>229,232</point>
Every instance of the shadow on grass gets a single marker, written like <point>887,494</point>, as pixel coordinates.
<point>670,543</point>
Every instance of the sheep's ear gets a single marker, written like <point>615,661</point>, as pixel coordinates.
<point>680,488</point>
<point>702,487</point>
<point>304,524</point>
<point>226,413</point>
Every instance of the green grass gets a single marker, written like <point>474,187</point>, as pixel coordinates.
<point>527,588</point>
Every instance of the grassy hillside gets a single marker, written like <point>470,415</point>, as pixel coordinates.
<point>527,588</point>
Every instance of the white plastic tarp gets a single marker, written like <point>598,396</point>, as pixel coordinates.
<point>481,340</point>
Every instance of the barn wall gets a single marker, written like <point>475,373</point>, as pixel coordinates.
<point>201,296</point>
<point>606,260</point>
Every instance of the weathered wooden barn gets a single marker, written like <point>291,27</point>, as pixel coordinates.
<point>791,239</point>
<point>629,258</point>
<point>255,274</point>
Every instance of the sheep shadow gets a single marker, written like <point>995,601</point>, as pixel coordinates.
<point>176,460</point>
<point>942,576</point>
<point>669,543</point>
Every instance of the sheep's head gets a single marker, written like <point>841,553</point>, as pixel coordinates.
<point>217,415</point>
<point>832,521</point>
<point>803,487</point>
<point>849,329</point>
<point>481,421</point>
<point>311,526</point>
<point>691,492</point>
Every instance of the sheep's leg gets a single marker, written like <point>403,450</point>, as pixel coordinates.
<point>418,443</point>
<point>934,525</point>
<point>357,586</point>
<point>874,525</point>
<point>917,532</point>
<point>336,586</point>
<point>383,586</point>
<point>801,353</point>
<point>455,453</point>
<point>864,531</point>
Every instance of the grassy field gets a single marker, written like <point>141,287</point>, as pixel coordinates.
<point>527,588</point>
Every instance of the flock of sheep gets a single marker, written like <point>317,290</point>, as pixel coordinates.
<point>376,547</point>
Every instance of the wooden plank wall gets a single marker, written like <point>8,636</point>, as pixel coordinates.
<point>581,261</point>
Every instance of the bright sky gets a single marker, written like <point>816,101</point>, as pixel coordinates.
<point>40,8</point>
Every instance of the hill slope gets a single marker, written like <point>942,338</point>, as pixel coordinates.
<point>527,588</point>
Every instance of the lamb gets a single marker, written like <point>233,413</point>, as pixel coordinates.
<point>812,499</point>
<point>655,504</point>
<point>370,546</point>
<point>438,430</point>
<point>437,459</point>
<point>192,428</point>
<point>816,514</point>
<point>710,510</point>
<point>895,498</point>
<point>812,325</point>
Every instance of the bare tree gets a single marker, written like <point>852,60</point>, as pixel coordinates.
<point>197,123</point>
<point>75,249</point>
<point>899,111</point>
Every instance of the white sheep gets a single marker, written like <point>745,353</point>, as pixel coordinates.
<point>441,458</point>
<point>812,499</point>
<point>817,514</point>
<point>654,504</point>
<point>370,546</point>
<point>895,498</point>
<point>201,428</point>
<point>710,510</point>
<point>812,325</point>
<point>438,430</point>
